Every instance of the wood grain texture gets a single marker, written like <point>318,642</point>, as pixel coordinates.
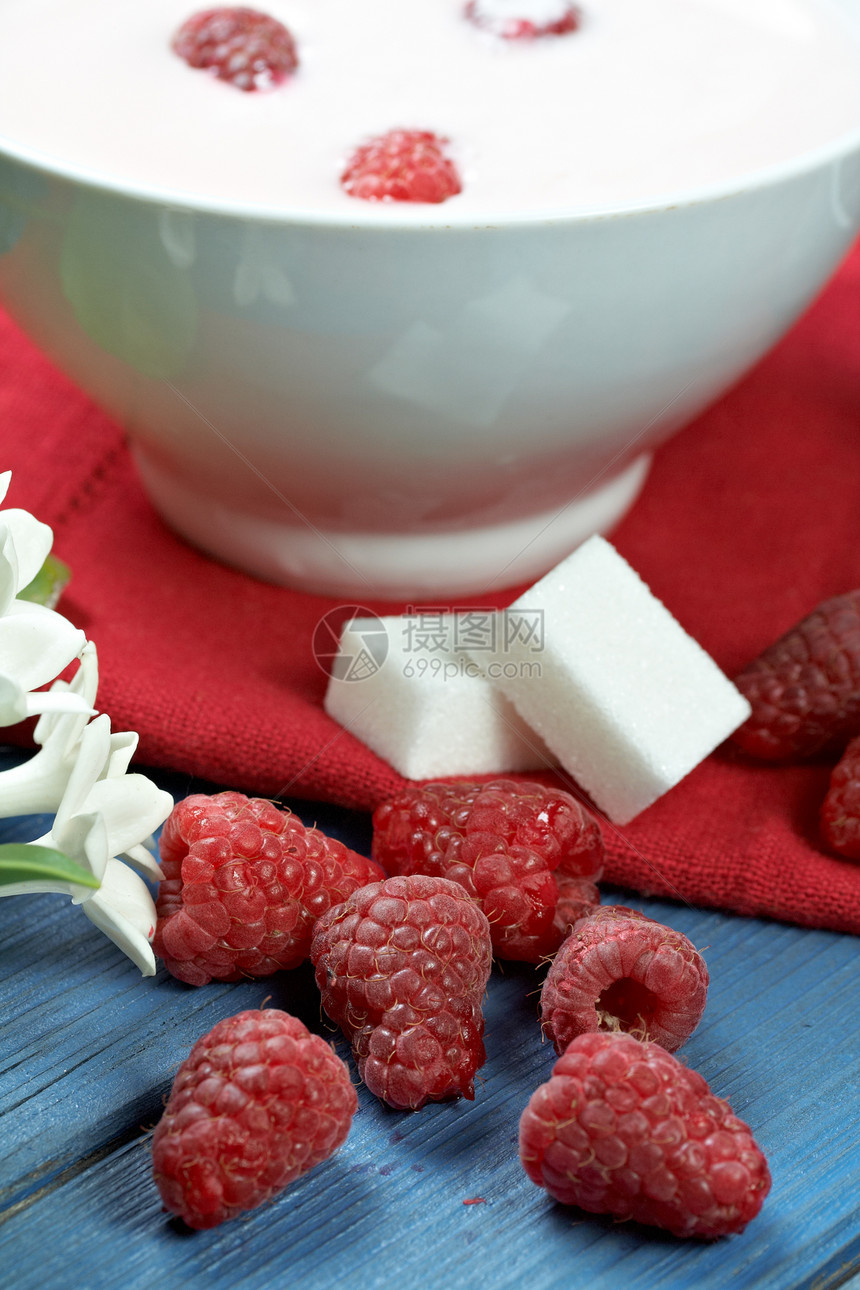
<point>88,1050</point>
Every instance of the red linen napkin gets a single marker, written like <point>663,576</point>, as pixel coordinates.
<point>750,517</point>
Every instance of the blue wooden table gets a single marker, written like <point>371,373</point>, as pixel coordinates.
<point>88,1050</point>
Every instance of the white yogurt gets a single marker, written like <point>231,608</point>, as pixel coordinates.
<point>648,99</point>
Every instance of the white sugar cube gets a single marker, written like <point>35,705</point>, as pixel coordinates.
<point>403,687</point>
<point>627,701</point>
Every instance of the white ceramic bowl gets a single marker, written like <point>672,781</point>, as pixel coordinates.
<point>368,404</point>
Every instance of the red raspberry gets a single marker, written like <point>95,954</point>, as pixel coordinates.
<point>624,1128</point>
<point>619,970</point>
<point>805,688</point>
<point>840,813</point>
<point>243,46</point>
<point>529,854</point>
<point>577,898</point>
<point>401,166</point>
<point>243,885</point>
<point>258,1102</point>
<point>514,21</point>
<point>402,966</point>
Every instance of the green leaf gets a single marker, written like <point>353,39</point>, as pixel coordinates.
<point>20,862</point>
<point>48,584</point>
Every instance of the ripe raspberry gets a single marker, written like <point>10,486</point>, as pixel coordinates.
<point>524,19</point>
<point>243,885</point>
<point>840,813</point>
<point>530,855</point>
<point>402,966</point>
<point>619,970</point>
<point>258,1102</point>
<point>624,1128</point>
<point>805,688</point>
<point>243,46</point>
<point>577,898</point>
<point>401,166</point>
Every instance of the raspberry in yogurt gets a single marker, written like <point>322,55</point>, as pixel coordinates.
<point>402,166</point>
<point>524,19</point>
<point>242,46</point>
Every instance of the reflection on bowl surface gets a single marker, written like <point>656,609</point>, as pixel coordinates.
<point>409,399</point>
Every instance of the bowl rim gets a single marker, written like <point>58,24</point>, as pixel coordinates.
<point>403,216</point>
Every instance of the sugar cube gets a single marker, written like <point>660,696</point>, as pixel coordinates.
<point>627,701</point>
<point>423,704</point>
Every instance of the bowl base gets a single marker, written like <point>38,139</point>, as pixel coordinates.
<point>392,566</point>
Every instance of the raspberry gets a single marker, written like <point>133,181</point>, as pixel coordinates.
<point>401,166</point>
<point>619,970</point>
<point>840,813</point>
<point>258,1102</point>
<point>805,688</point>
<point>530,855</point>
<point>524,19</point>
<point>243,46</point>
<point>577,898</point>
<point>243,885</point>
<point>623,1128</point>
<point>402,966</point>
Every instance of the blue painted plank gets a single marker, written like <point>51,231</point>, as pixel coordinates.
<point>88,1050</point>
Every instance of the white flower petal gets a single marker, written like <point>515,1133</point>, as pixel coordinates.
<point>132,808</point>
<point>47,723</point>
<point>38,785</point>
<point>83,839</point>
<point>33,787</point>
<point>92,753</point>
<point>5,480</point>
<point>67,731</point>
<point>32,540</point>
<point>123,745</point>
<point>16,703</point>
<point>44,701</point>
<point>124,910</point>
<point>36,643</point>
<point>142,859</point>
<point>8,570</point>
<point>13,701</point>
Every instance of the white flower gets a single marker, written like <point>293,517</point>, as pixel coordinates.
<point>24,546</point>
<point>35,643</point>
<point>37,786</point>
<point>123,909</point>
<point>104,814</point>
<point>130,806</point>
<point>16,704</point>
<point>85,684</point>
